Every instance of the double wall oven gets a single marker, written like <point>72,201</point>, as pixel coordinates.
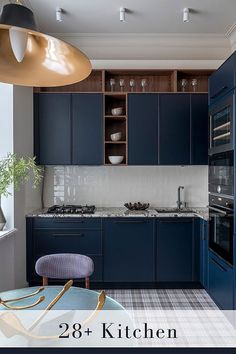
<point>221,179</point>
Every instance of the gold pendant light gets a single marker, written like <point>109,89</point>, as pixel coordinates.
<point>31,58</point>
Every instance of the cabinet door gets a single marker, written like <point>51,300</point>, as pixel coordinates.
<point>223,79</point>
<point>221,283</point>
<point>52,129</point>
<point>174,129</point>
<point>199,129</point>
<point>87,118</point>
<point>175,250</point>
<point>128,250</point>
<point>204,254</point>
<point>143,129</point>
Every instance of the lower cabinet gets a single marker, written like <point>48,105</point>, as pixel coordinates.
<point>63,235</point>
<point>175,250</point>
<point>128,249</point>
<point>221,282</point>
<point>204,253</point>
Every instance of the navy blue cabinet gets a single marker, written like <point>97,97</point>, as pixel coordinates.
<point>68,128</point>
<point>63,235</point>
<point>221,282</point>
<point>129,250</point>
<point>223,79</point>
<point>52,128</point>
<point>143,129</point>
<point>174,129</point>
<point>204,253</point>
<point>87,112</point>
<point>199,129</point>
<point>175,250</point>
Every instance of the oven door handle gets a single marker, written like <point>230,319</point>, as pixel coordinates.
<point>218,210</point>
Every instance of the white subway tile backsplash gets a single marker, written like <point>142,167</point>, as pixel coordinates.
<point>107,186</point>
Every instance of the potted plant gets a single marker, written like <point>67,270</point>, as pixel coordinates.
<point>14,171</point>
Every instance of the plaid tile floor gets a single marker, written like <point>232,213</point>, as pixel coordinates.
<point>163,299</point>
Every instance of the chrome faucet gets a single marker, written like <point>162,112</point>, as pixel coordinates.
<point>180,203</point>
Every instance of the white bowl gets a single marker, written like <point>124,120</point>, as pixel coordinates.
<point>115,160</point>
<point>116,136</point>
<point>117,111</point>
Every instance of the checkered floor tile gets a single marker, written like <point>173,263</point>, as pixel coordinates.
<point>163,299</point>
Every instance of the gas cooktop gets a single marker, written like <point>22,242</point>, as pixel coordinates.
<point>71,209</point>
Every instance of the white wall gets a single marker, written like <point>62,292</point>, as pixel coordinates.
<point>113,186</point>
<point>27,199</point>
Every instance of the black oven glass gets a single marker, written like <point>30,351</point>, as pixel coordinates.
<point>221,232</point>
<point>221,173</point>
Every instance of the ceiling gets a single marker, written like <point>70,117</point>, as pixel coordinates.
<point>144,16</point>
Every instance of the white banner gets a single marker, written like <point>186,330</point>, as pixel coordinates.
<point>160,328</point>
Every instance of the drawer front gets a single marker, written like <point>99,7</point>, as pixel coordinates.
<point>221,283</point>
<point>67,223</point>
<point>67,241</point>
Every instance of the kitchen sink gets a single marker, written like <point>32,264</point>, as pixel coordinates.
<point>174,211</point>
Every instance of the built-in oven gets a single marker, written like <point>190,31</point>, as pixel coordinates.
<point>221,226</point>
<point>221,125</point>
<point>221,173</point>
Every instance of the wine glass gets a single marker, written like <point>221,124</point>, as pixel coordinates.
<point>122,84</point>
<point>132,84</point>
<point>183,84</point>
<point>143,84</point>
<point>194,84</point>
<point>112,84</point>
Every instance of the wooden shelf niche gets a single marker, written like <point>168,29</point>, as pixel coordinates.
<point>114,124</point>
<point>156,80</point>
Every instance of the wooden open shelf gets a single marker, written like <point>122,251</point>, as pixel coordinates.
<point>157,81</point>
<point>112,149</point>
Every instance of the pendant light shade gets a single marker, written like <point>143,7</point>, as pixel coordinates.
<point>31,58</point>
<point>18,41</point>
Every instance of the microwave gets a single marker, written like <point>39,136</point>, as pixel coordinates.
<point>221,125</point>
<point>221,173</point>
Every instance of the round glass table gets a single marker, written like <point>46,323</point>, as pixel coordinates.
<point>74,299</point>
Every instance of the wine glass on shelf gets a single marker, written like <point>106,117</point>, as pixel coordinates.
<point>132,84</point>
<point>112,84</point>
<point>194,84</point>
<point>122,84</point>
<point>183,84</point>
<point>143,84</point>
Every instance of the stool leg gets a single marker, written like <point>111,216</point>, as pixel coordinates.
<point>45,281</point>
<point>87,283</point>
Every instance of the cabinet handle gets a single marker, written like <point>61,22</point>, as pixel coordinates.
<point>69,221</point>
<point>130,222</point>
<point>219,265</point>
<point>219,92</point>
<point>67,235</point>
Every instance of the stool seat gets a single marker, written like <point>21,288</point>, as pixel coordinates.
<point>64,266</point>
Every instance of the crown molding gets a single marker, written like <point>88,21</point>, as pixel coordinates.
<point>145,46</point>
<point>157,64</point>
<point>231,34</point>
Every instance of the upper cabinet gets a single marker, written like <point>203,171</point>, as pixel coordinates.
<point>52,125</point>
<point>87,136</point>
<point>143,129</point>
<point>174,132</point>
<point>160,116</point>
<point>68,129</point>
<point>199,129</point>
<point>167,129</point>
<point>222,80</point>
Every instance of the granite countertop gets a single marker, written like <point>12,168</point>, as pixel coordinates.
<point>123,212</point>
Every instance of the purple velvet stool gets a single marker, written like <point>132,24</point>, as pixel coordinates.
<point>65,266</point>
